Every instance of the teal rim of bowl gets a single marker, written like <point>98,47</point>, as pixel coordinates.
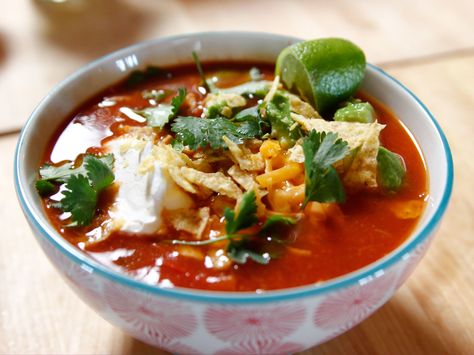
<point>196,295</point>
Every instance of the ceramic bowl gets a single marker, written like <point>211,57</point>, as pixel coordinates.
<point>202,322</point>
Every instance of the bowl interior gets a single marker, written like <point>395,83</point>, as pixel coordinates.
<point>98,75</point>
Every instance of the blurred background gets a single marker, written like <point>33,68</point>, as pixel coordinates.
<point>428,45</point>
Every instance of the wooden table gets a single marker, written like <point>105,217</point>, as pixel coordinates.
<point>428,45</point>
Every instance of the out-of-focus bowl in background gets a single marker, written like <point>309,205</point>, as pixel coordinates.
<point>192,321</point>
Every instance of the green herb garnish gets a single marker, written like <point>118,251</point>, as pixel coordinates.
<point>256,246</point>
<point>45,188</point>
<point>207,84</point>
<point>80,199</point>
<point>139,76</point>
<point>245,217</point>
<point>322,182</point>
<point>63,172</point>
<point>82,188</point>
<point>202,132</point>
<point>159,116</point>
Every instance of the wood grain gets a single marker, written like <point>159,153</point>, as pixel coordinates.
<point>433,313</point>
<point>41,43</point>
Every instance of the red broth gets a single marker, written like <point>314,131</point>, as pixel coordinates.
<point>366,229</point>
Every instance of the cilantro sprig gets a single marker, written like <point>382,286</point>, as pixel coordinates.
<point>322,182</point>
<point>159,116</point>
<point>243,246</point>
<point>82,186</point>
<point>207,84</point>
<point>202,132</point>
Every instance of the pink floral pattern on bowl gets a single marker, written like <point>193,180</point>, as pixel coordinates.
<point>273,347</point>
<point>253,324</point>
<point>144,314</point>
<point>344,309</point>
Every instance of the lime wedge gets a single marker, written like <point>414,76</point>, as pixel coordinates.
<point>324,71</point>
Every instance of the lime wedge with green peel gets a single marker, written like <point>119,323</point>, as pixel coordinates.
<point>324,71</point>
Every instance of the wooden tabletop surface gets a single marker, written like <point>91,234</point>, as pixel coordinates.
<point>428,45</point>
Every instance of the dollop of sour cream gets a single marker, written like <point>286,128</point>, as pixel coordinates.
<point>144,186</point>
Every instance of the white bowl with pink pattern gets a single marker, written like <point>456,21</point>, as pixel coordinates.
<point>188,321</point>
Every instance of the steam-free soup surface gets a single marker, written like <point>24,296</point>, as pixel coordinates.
<point>369,225</point>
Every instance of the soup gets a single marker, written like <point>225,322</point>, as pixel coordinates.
<point>228,181</point>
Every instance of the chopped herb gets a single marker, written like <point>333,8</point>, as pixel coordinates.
<point>45,188</point>
<point>56,173</point>
<point>391,169</point>
<point>159,116</point>
<point>63,172</point>
<point>260,246</point>
<point>276,220</point>
<point>240,250</point>
<point>278,113</point>
<point>248,113</point>
<point>207,84</point>
<point>100,175</point>
<point>202,132</point>
<point>177,145</point>
<point>139,76</point>
<point>322,182</point>
<point>80,199</point>
<point>178,100</point>
<point>246,215</point>
<point>82,188</point>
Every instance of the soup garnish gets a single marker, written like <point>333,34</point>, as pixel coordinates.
<point>227,177</point>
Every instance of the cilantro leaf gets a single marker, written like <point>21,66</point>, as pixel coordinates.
<point>45,188</point>
<point>260,247</point>
<point>202,132</point>
<point>139,76</point>
<point>82,188</point>
<point>80,199</point>
<point>207,84</point>
<point>240,251</point>
<point>63,172</point>
<point>158,116</point>
<point>253,124</point>
<point>56,173</point>
<point>278,113</point>
<point>246,214</point>
<point>276,220</point>
<point>322,183</point>
<point>177,101</point>
<point>99,173</point>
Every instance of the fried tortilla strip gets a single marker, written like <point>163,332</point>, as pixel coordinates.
<point>363,138</point>
<point>243,157</point>
<point>217,182</point>
<point>244,179</point>
<point>301,107</point>
<point>180,179</point>
<point>189,220</point>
